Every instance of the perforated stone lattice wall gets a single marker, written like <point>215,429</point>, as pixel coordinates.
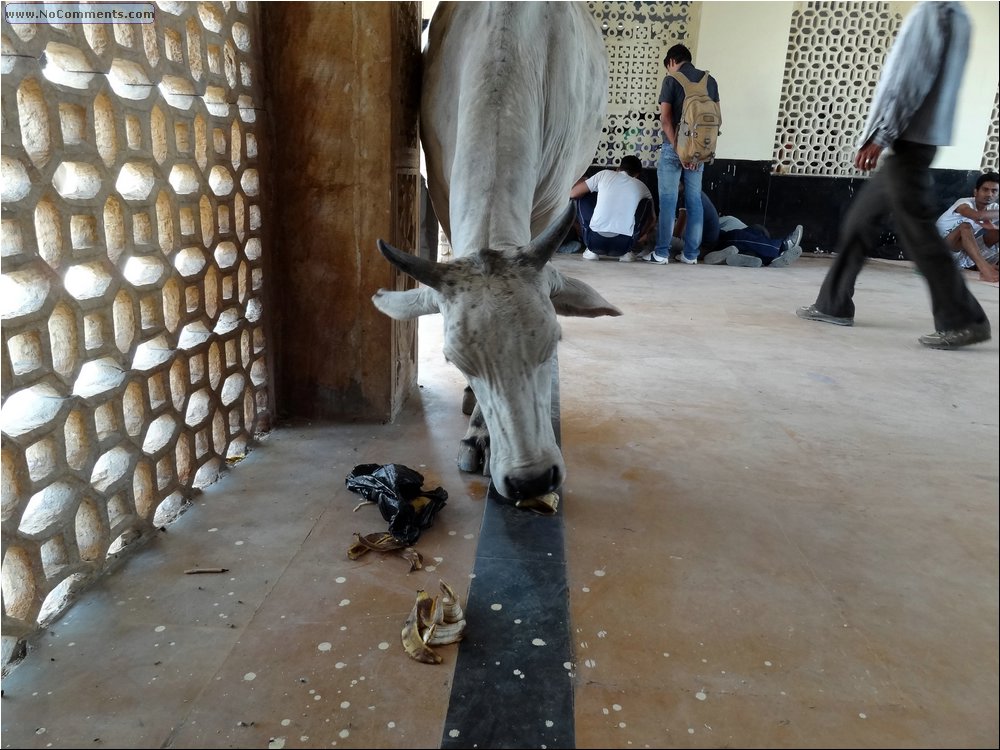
<point>133,347</point>
<point>835,55</point>
<point>637,36</point>
<point>991,149</point>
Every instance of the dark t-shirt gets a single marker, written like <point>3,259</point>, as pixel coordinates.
<point>673,93</point>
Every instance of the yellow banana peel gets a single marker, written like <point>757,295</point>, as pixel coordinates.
<point>435,621</point>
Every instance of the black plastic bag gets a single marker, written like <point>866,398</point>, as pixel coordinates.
<point>396,489</point>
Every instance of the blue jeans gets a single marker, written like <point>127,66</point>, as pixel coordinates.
<point>751,242</point>
<point>669,173</point>
<point>618,245</point>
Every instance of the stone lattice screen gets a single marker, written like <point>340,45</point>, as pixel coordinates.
<point>637,36</point>
<point>991,149</point>
<point>133,344</point>
<point>836,51</point>
<point>835,56</point>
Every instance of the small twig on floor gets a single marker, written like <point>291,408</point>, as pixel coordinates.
<point>192,571</point>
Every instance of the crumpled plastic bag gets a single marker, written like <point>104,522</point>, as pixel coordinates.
<point>396,489</point>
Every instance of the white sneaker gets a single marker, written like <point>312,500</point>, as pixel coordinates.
<point>629,257</point>
<point>795,238</point>
<point>716,257</point>
<point>654,258</point>
<point>691,262</point>
<point>588,255</point>
<point>744,261</point>
<point>788,257</point>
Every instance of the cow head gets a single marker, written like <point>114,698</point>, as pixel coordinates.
<point>500,330</point>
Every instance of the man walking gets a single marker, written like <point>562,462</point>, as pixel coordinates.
<point>913,112</point>
<point>670,170</point>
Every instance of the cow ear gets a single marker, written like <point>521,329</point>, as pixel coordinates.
<point>540,250</point>
<point>425,271</point>
<point>573,297</point>
<point>406,305</point>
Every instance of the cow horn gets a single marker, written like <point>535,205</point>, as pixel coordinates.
<point>543,247</point>
<point>425,271</point>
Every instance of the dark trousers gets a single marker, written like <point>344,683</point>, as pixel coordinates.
<point>751,241</point>
<point>612,246</point>
<point>903,187</point>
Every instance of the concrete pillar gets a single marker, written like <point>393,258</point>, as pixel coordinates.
<point>342,82</point>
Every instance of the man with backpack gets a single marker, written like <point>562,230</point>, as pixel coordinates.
<point>690,120</point>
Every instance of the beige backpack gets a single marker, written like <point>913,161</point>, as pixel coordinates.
<point>701,120</point>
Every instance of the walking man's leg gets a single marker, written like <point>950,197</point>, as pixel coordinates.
<point>858,234</point>
<point>954,307</point>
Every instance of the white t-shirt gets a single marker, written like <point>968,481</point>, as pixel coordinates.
<point>950,219</point>
<point>618,197</point>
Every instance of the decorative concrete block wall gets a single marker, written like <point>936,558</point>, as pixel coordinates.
<point>835,56</point>
<point>133,341</point>
<point>991,149</point>
<point>637,36</point>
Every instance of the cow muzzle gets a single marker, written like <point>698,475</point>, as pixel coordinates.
<point>521,485</point>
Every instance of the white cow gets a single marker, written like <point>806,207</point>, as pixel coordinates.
<point>512,108</point>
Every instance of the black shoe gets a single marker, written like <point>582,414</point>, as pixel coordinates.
<point>811,313</point>
<point>959,337</point>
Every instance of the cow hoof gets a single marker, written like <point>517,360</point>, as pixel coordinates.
<point>468,401</point>
<point>470,457</point>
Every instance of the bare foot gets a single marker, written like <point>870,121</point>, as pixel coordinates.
<point>991,277</point>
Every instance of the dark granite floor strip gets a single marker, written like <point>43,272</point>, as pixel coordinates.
<point>512,686</point>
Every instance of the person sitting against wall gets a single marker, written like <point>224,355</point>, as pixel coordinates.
<point>727,239</point>
<point>969,227</point>
<point>615,211</point>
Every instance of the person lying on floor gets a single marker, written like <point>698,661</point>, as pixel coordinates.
<point>727,239</point>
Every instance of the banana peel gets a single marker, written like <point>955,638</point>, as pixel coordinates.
<point>543,505</point>
<point>413,639</point>
<point>449,619</point>
<point>377,542</point>
<point>384,542</point>
<point>433,621</point>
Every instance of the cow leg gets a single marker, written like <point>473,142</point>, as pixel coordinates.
<point>474,450</point>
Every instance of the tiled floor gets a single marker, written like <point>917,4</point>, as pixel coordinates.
<point>777,533</point>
